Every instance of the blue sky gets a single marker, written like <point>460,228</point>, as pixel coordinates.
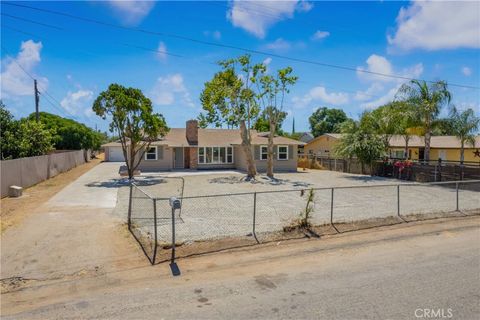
<point>75,60</point>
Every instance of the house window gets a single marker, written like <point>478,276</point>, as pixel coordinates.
<point>220,155</point>
<point>282,153</point>
<point>208,152</point>
<point>216,155</point>
<point>397,154</point>
<point>151,153</point>
<point>263,152</point>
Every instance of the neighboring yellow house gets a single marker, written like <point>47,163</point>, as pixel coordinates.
<point>446,148</point>
<point>322,145</point>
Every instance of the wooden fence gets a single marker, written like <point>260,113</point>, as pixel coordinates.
<point>434,171</point>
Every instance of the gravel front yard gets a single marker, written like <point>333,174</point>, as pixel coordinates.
<point>204,218</point>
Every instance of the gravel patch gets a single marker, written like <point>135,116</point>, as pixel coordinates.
<point>228,216</point>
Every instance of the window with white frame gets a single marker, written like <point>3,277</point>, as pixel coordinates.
<point>263,152</point>
<point>201,155</point>
<point>282,152</point>
<point>151,153</point>
<point>215,155</point>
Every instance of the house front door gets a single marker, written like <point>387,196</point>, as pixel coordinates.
<point>178,158</point>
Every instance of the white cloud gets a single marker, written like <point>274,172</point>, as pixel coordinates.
<point>14,81</point>
<point>217,35</point>
<point>386,98</point>
<point>381,65</point>
<point>374,89</point>
<point>267,61</point>
<point>132,12</point>
<point>320,35</point>
<point>377,64</point>
<point>434,25</point>
<point>319,93</point>
<point>257,16</point>
<point>78,101</point>
<point>167,89</point>
<point>467,71</point>
<point>162,51</point>
<point>278,45</point>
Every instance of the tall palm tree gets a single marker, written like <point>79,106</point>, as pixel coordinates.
<point>407,123</point>
<point>428,100</point>
<point>465,124</point>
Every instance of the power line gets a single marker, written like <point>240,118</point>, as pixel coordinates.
<point>123,44</point>
<point>61,110</point>
<point>30,21</point>
<point>213,63</point>
<point>19,31</point>
<point>153,50</point>
<point>209,43</point>
<point>42,91</point>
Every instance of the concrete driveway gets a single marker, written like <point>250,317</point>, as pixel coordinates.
<point>97,188</point>
<point>74,234</point>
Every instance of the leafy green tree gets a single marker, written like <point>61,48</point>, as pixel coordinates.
<point>271,94</point>
<point>383,121</point>
<point>465,125</point>
<point>262,124</point>
<point>443,127</point>
<point>70,134</point>
<point>8,128</point>
<point>358,142</point>
<point>428,100</point>
<point>132,119</point>
<point>408,124</point>
<point>326,120</point>
<point>228,99</point>
<point>33,139</point>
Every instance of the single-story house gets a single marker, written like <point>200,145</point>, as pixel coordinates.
<point>197,148</point>
<point>306,137</point>
<point>446,148</point>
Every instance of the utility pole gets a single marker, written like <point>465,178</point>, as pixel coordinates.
<point>37,100</point>
<point>293,126</point>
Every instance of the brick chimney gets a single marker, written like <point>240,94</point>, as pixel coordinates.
<point>192,132</point>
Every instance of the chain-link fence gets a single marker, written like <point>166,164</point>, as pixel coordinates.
<point>254,217</point>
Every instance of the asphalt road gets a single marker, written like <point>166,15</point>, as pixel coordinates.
<point>399,272</point>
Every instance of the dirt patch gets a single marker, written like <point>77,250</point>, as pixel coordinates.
<point>195,248</point>
<point>14,210</point>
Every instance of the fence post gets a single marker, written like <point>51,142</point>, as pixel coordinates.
<point>398,200</point>
<point>254,216</point>
<point>331,207</point>
<point>456,190</point>
<point>155,229</point>
<point>130,207</point>
<point>173,236</point>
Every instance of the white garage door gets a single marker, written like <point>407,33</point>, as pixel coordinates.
<point>115,154</point>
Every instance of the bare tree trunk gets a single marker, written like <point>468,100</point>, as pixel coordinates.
<point>462,153</point>
<point>428,136</point>
<point>270,150</point>
<point>247,148</point>
<point>131,161</point>
<point>406,148</point>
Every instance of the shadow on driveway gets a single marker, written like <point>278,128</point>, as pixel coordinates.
<point>143,181</point>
